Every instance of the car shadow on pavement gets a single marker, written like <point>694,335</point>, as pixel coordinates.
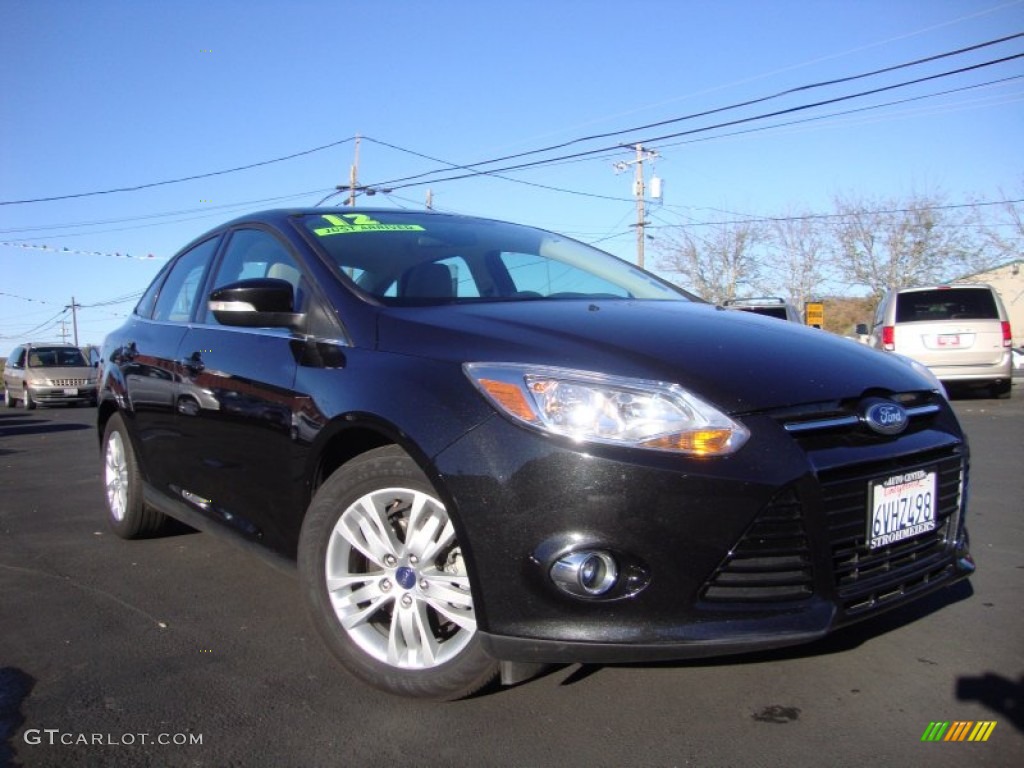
<point>23,424</point>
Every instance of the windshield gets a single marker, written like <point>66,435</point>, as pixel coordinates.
<point>410,259</point>
<point>56,357</point>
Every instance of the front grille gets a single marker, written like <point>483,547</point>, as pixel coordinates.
<point>866,579</point>
<point>70,382</point>
<point>825,426</point>
<point>770,563</point>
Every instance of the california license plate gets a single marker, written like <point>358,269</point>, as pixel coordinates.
<point>71,392</point>
<point>902,506</point>
<point>949,340</point>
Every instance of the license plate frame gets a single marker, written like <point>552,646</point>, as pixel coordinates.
<point>901,506</point>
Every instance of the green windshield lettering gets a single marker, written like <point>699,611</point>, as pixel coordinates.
<point>360,222</point>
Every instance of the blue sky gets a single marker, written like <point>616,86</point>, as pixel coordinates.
<point>103,95</point>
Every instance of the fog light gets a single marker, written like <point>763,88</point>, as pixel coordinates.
<point>589,573</point>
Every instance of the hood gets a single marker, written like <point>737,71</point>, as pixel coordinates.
<point>739,361</point>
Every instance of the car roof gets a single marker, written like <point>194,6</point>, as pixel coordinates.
<point>278,216</point>
<point>945,286</point>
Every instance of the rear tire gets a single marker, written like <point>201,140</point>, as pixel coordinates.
<point>127,515</point>
<point>385,581</point>
<point>1003,390</point>
<point>8,400</point>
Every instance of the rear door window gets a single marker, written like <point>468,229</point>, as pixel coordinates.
<point>946,304</point>
<point>179,294</point>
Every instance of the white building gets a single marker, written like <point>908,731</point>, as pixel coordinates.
<point>1008,280</point>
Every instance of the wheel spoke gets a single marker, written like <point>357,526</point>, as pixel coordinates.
<point>427,520</point>
<point>351,611</point>
<point>366,528</point>
<point>450,597</point>
<point>336,583</point>
<point>411,643</point>
<point>434,534</point>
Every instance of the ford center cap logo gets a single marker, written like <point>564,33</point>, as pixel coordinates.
<point>886,418</point>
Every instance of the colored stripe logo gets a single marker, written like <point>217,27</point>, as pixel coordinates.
<point>959,730</point>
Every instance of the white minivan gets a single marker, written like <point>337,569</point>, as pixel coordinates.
<point>961,332</point>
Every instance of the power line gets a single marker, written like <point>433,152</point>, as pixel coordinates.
<point>813,216</point>
<point>497,176</point>
<point>739,121</point>
<point>226,206</point>
<point>737,105</point>
<point>843,113</point>
<point>138,187</point>
<point>39,327</point>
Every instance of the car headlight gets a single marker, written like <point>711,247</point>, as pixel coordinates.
<point>593,407</point>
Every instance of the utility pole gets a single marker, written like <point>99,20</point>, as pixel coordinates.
<point>638,193</point>
<point>353,176</point>
<point>430,199</point>
<point>74,317</point>
<point>63,331</point>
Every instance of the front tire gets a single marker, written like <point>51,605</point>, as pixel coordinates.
<point>26,400</point>
<point>127,515</point>
<point>385,581</point>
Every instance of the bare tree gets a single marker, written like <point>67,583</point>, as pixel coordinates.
<point>1004,232</point>
<point>717,264</point>
<point>889,244</point>
<point>797,259</point>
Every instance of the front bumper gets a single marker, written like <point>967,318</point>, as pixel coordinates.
<point>761,550</point>
<point>59,395</point>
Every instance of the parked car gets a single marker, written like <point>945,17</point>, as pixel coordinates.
<point>488,447</point>
<point>769,306</point>
<point>961,332</point>
<point>48,374</point>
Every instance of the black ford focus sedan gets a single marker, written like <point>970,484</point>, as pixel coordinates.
<point>488,446</point>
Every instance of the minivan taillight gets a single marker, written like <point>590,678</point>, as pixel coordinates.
<point>888,338</point>
<point>1007,336</point>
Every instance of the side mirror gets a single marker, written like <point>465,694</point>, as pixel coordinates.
<point>862,329</point>
<point>264,302</point>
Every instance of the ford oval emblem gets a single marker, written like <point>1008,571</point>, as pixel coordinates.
<point>886,418</point>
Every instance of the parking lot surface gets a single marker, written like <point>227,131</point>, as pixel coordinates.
<point>185,651</point>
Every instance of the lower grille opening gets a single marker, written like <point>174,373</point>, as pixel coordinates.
<point>770,563</point>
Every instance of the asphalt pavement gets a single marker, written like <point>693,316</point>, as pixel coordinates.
<point>186,651</point>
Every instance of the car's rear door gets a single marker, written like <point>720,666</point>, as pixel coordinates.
<point>145,350</point>
<point>944,327</point>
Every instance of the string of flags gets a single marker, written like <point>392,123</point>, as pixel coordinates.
<point>64,249</point>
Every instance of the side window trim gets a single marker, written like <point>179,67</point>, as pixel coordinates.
<point>152,293</point>
<point>218,241</point>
